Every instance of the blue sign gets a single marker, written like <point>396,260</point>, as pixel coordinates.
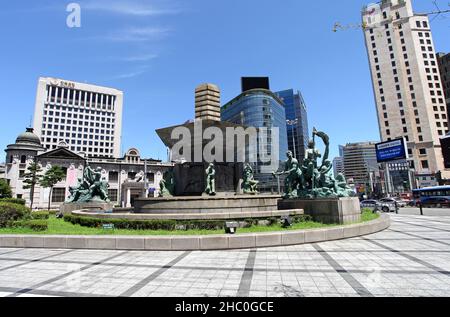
<point>392,151</point>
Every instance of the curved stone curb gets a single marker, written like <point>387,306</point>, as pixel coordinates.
<point>196,243</point>
<point>181,216</point>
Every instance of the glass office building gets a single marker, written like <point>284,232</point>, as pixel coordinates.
<point>260,108</point>
<point>297,130</point>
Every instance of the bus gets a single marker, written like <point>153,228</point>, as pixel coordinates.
<point>432,196</point>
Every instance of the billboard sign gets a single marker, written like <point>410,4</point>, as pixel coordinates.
<point>392,151</point>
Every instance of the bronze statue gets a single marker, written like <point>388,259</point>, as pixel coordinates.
<point>249,184</point>
<point>167,185</point>
<point>313,179</point>
<point>210,180</point>
<point>294,180</point>
<point>92,187</point>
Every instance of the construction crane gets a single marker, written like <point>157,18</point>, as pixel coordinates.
<point>358,26</point>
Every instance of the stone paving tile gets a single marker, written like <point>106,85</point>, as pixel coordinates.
<point>412,258</point>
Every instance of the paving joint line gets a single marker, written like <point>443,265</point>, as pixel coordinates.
<point>49,281</point>
<point>247,275</point>
<point>353,282</point>
<point>137,287</point>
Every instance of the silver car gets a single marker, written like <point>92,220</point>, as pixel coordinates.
<point>379,205</point>
<point>400,203</point>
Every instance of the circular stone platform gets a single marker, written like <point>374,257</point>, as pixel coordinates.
<point>190,216</point>
<point>207,204</point>
<point>195,243</point>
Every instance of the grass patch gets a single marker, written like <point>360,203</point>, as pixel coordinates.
<point>61,227</point>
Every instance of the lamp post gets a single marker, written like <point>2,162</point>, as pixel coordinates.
<point>293,123</point>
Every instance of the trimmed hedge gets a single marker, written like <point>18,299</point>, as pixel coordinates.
<point>171,225</point>
<point>35,225</point>
<point>40,215</point>
<point>13,201</point>
<point>10,212</point>
<point>167,225</point>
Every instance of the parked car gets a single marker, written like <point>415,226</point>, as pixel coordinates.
<point>382,206</point>
<point>400,202</point>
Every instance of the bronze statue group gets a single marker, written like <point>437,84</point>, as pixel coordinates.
<point>310,180</point>
<point>92,187</point>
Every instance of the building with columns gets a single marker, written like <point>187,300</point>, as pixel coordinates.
<point>129,177</point>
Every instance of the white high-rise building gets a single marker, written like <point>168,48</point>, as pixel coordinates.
<point>407,84</point>
<point>85,118</point>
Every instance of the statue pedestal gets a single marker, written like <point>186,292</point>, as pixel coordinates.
<point>327,211</point>
<point>93,206</point>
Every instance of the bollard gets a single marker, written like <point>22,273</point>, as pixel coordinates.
<point>421,209</point>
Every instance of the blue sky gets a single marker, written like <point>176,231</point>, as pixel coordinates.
<point>157,52</point>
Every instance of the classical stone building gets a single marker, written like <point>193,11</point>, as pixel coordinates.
<point>129,177</point>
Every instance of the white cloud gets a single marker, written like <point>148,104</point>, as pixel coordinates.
<point>136,34</point>
<point>139,58</point>
<point>130,7</point>
<point>130,74</point>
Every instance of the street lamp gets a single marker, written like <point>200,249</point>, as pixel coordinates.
<point>293,123</point>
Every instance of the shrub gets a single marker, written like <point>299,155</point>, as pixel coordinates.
<point>171,225</point>
<point>35,225</point>
<point>10,212</point>
<point>167,225</point>
<point>13,201</point>
<point>40,215</point>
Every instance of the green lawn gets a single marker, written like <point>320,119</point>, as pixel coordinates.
<point>60,227</point>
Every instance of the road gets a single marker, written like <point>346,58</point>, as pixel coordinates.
<point>412,258</point>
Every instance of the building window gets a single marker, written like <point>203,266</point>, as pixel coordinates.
<point>425,164</point>
<point>113,195</point>
<point>113,177</point>
<point>58,195</point>
<point>23,159</point>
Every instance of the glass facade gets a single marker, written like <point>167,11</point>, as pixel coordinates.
<point>298,133</point>
<point>260,108</point>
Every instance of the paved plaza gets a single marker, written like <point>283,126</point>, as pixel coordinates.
<point>412,258</point>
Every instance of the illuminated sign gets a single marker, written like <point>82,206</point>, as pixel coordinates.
<point>392,151</point>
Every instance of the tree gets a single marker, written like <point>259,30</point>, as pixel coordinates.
<point>31,178</point>
<point>52,177</point>
<point>5,189</point>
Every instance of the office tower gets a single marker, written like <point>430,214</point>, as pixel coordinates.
<point>85,118</point>
<point>338,166</point>
<point>297,121</point>
<point>407,85</point>
<point>260,108</point>
<point>207,102</point>
<point>360,164</point>
<point>444,67</point>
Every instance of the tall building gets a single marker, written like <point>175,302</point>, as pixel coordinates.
<point>87,118</point>
<point>360,165</point>
<point>260,108</point>
<point>207,102</point>
<point>297,126</point>
<point>338,166</point>
<point>444,67</point>
<point>406,81</point>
